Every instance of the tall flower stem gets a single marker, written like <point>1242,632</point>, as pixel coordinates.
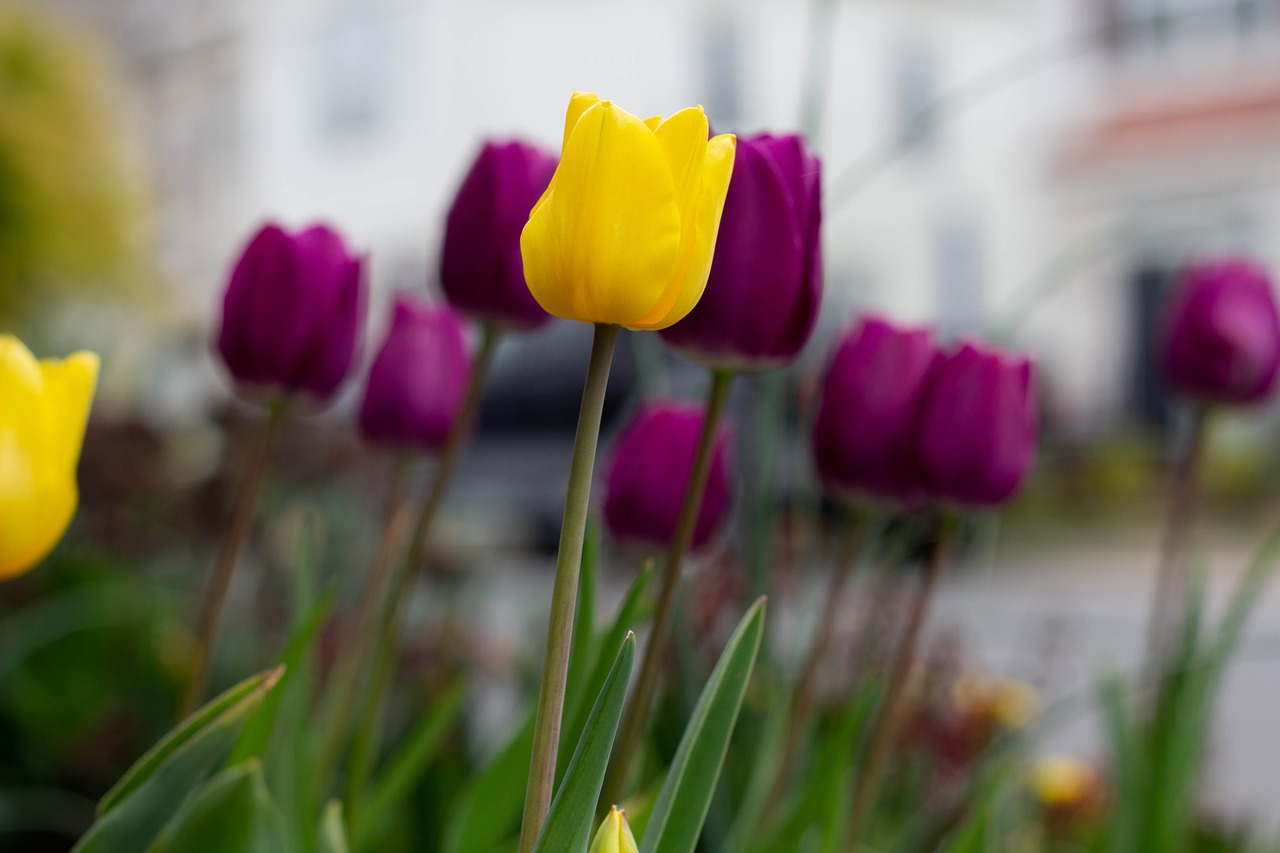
<point>806,687</point>
<point>637,713</point>
<point>885,729</point>
<point>391,609</point>
<point>215,594</point>
<point>1169,602</point>
<point>573,529</point>
<point>356,650</point>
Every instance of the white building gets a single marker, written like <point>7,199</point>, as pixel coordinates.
<point>1078,147</point>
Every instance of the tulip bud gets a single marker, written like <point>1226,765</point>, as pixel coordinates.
<point>1221,334</point>
<point>418,380</point>
<point>293,313</point>
<point>625,233</point>
<point>648,471</point>
<point>480,266</point>
<point>978,427</point>
<point>614,835</point>
<point>765,284</point>
<point>1060,781</point>
<point>865,434</point>
<point>44,406</point>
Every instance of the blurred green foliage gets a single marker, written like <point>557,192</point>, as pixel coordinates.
<point>68,208</point>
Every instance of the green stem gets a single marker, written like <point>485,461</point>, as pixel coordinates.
<point>215,594</point>
<point>344,689</point>
<point>555,663</point>
<point>637,714</point>
<point>1170,596</point>
<point>885,729</point>
<point>367,728</point>
<point>806,686</point>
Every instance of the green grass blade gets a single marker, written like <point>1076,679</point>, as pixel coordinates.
<point>685,797</point>
<point>333,831</point>
<point>422,745</point>
<point>568,826</point>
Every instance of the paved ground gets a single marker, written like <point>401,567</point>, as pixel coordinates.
<point>1055,614</point>
<point>1087,608</point>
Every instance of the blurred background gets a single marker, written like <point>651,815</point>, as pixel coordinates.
<point>1032,171</point>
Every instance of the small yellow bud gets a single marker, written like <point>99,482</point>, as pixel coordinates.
<point>1059,781</point>
<point>614,835</point>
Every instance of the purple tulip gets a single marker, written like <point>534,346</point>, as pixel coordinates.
<point>1221,333</point>
<point>865,433</point>
<point>978,427</point>
<point>480,266</point>
<point>293,312</point>
<point>765,285</point>
<point>418,380</point>
<point>649,468</point>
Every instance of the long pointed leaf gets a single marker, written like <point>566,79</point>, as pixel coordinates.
<point>682,804</point>
<point>151,792</point>
<point>390,789</point>
<point>568,826</point>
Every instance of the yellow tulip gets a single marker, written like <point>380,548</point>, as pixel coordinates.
<point>43,409</point>
<point>614,835</point>
<point>625,232</point>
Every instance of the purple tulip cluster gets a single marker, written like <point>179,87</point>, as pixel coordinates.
<point>901,421</point>
<point>293,311</point>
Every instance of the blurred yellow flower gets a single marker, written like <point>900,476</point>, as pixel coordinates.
<point>43,409</point>
<point>1010,702</point>
<point>625,233</point>
<point>614,835</point>
<point>1059,781</point>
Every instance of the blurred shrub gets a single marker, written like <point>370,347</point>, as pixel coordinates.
<point>67,212</point>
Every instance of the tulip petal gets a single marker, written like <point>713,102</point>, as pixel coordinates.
<point>689,280</point>
<point>68,394</point>
<point>578,104</point>
<point>602,246</point>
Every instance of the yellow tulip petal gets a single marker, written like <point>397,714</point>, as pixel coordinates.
<point>653,122</point>
<point>36,505</point>
<point>690,275</point>
<point>683,138</point>
<point>614,835</point>
<point>602,247</point>
<point>68,394</point>
<point>43,409</point>
<point>578,104</point>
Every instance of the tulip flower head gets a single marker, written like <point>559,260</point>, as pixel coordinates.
<point>418,380</point>
<point>1221,334</point>
<point>978,427</point>
<point>480,266</point>
<point>865,435</point>
<point>293,313</point>
<point>614,835</point>
<point>765,285</point>
<point>649,468</point>
<point>44,406</point>
<point>625,233</point>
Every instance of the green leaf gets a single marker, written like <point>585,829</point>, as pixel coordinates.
<point>257,733</point>
<point>233,813</point>
<point>333,833</point>
<point>685,797</point>
<point>487,811</point>
<point>134,812</point>
<point>627,618</point>
<point>568,826</point>
<point>411,760</point>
